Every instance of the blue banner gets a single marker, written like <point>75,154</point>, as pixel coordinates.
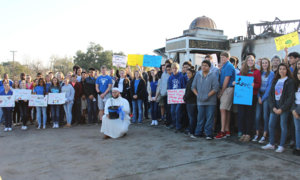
<point>152,61</point>
<point>243,91</point>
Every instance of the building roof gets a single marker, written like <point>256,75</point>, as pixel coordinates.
<point>204,22</point>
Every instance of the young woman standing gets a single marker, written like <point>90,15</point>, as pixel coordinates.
<point>262,106</point>
<point>137,90</point>
<point>16,110</point>
<point>246,112</point>
<point>123,83</point>
<point>40,89</point>
<point>55,88</point>
<point>69,92</point>
<point>296,114</point>
<point>23,106</point>
<point>29,85</point>
<point>153,89</point>
<point>281,99</point>
<point>7,110</point>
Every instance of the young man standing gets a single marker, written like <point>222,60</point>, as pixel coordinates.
<point>213,69</point>
<point>83,98</point>
<point>226,94</point>
<point>91,96</point>
<point>79,71</point>
<point>51,75</point>
<point>291,59</point>
<point>186,65</point>
<point>103,86</point>
<point>76,109</point>
<point>205,86</point>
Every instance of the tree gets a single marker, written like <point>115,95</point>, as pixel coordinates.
<point>63,65</point>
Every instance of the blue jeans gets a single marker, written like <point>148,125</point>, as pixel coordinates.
<point>153,105</point>
<point>192,113</point>
<point>68,110</point>
<point>137,105</point>
<point>7,117</point>
<point>177,113</point>
<point>262,109</point>
<point>55,113</point>
<point>167,111</point>
<point>1,114</point>
<point>297,131</point>
<point>205,112</point>
<point>39,111</point>
<point>283,124</point>
<point>92,110</point>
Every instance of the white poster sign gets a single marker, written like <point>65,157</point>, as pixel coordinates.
<point>22,94</point>
<point>200,57</point>
<point>56,98</point>
<point>38,100</point>
<point>7,101</point>
<point>119,60</point>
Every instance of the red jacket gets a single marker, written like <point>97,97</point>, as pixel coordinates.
<point>257,80</point>
<point>78,90</point>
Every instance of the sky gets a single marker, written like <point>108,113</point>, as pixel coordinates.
<point>37,29</point>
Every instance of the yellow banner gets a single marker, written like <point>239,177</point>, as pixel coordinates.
<point>134,59</point>
<point>288,40</point>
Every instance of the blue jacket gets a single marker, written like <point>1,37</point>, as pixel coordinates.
<point>177,81</point>
<point>269,85</point>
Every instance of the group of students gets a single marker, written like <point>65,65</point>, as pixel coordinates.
<point>209,92</point>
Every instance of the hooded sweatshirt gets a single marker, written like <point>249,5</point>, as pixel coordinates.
<point>189,96</point>
<point>164,83</point>
<point>70,92</point>
<point>177,81</point>
<point>204,85</point>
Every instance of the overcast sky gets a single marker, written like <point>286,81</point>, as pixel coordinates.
<point>40,28</point>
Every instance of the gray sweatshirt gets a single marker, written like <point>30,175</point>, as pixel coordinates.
<point>70,92</point>
<point>164,84</point>
<point>204,85</point>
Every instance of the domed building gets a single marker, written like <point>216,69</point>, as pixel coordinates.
<point>203,22</point>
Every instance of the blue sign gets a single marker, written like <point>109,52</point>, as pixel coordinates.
<point>243,91</point>
<point>152,61</point>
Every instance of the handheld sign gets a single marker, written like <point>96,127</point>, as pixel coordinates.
<point>286,41</point>
<point>7,101</point>
<point>22,94</point>
<point>56,98</point>
<point>135,59</point>
<point>243,91</point>
<point>152,61</point>
<point>176,96</point>
<point>38,100</point>
<point>118,60</point>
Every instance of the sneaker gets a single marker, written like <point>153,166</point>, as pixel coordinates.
<point>255,139</point>
<point>220,135</point>
<point>132,123</point>
<point>10,129</point>
<point>296,152</point>
<point>240,134</point>
<point>22,127</point>
<point>152,124</point>
<point>208,137</point>
<point>262,140</point>
<point>155,122</point>
<point>227,133</point>
<point>280,149</point>
<point>57,126</point>
<point>170,127</point>
<point>44,127</point>
<point>25,128</point>
<point>39,127</point>
<point>6,129</point>
<point>193,136</point>
<point>268,146</point>
<point>139,123</point>
<point>54,126</point>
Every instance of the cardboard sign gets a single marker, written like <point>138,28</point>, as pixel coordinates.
<point>120,61</point>
<point>7,101</point>
<point>56,98</point>
<point>286,41</point>
<point>152,61</point>
<point>38,100</point>
<point>134,59</point>
<point>22,94</point>
<point>176,96</point>
<point>243,90</point>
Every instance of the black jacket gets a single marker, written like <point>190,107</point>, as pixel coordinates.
<point>90,87</point>
<point>126,87</point>
<point>189,96</point>
<point>140,92</point>
<point>287,97</point>
<point>118,75</point>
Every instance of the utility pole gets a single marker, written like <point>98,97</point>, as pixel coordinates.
<point>13,64</point>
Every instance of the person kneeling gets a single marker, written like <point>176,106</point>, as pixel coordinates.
<point>115,127</point>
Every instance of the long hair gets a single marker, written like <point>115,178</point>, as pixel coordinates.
<point>297,81</point>
<point>44,84</point>
<point>57,84</point>
<point>16,84</point>
<point>268,68</point>
<point>140,75</point>
<point>151,77</point>
<point>296,71</point>
<point>288,72</point>
<point>245,68</point>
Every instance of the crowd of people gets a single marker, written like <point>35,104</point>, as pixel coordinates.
<point>209,92</point>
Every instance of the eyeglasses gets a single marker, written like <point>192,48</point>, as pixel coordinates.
<point>168,69</point>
